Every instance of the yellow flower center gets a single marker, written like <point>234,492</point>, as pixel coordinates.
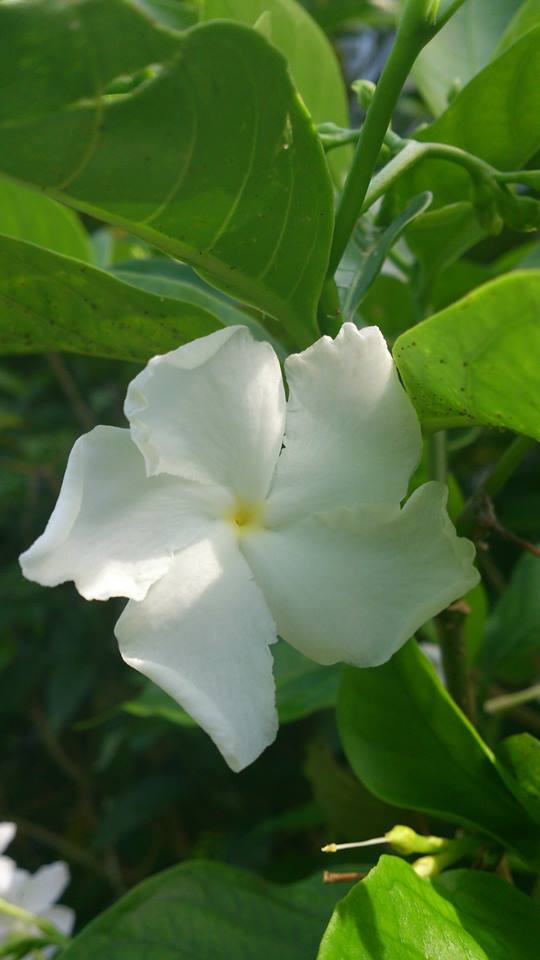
<point>246,516</point>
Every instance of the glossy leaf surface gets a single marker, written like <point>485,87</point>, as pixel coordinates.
<point>461,915</point>
<point>197,159</point>
<point>477,361</point>
<point>435,761</point>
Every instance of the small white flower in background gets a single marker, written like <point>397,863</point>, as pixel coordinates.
<point>222,539</point>
<point>36,893</point>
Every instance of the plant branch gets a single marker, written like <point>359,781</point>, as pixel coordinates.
<point>414,31</point>
<point>19,913</point>
<point>448,13</point>
<point>508,701</point>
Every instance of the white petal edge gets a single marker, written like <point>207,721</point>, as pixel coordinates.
<point>113,530</point>
<point>44,887</point>
<point>355,584</point>
<point>7,834</point>
<point>351,436</point>
<point>212,411</point>
<point>203,635</point>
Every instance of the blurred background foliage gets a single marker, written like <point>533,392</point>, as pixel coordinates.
<point>101,769</point>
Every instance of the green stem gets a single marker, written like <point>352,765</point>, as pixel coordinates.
<point>413,151</point>
<point>19,913</point>
<point>413,33</point>
<point>507,701</point>
<point>449,12</point>
<point>450,629</point>
<point>507,465</point>
<point>438,467</point>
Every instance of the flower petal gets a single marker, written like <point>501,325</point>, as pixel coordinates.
<point>61,917</point>
<point>7,833</point>
<point>44,887</point>
<point>351,435</point>
<point>202,634</point>
<point>355,584</point>
<point>113,530</point>
<point>212,411</point>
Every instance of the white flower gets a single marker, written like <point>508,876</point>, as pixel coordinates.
<point>222,540</point>
<point>36,893</point>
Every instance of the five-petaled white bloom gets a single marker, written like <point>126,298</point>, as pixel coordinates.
<point>37,893</point>
<point>228,515</point>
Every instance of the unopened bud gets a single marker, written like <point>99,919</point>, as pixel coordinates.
<point>364,90</point>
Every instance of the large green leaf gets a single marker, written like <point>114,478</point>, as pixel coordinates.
<point>410,745</point>
<point>50,302</point>
<point>197,159</point>
<point>209,911</point>
<point>462,48</point>
<point>312,61</point>
<point>29,215</point>
<point>462,915</point>
<point>477,360</point>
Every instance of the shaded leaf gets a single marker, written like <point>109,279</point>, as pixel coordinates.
<point>201,910</point>
<point>519,763</point>
<point>513,628</point>
<point>409,744</point>
<point>312,61</point>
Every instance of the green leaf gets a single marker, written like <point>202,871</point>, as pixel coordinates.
<point>477,361</point>
<point>513,628</point>
<point>409,744</point>
<point>177,281</point>
<point>461,915</point>
<point>462,48</point>
<point>28,215</point>
<point>312,61</point>
<point>176,14</point>
<point>302,688</point>
<point>525,18</point>
<point>350,810</point>
<point>489,119</point>
<point>197,159</point>
<point>519,763</point>
<point>372,254</point>
<point>199,910</point>
<point>50,302</point>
